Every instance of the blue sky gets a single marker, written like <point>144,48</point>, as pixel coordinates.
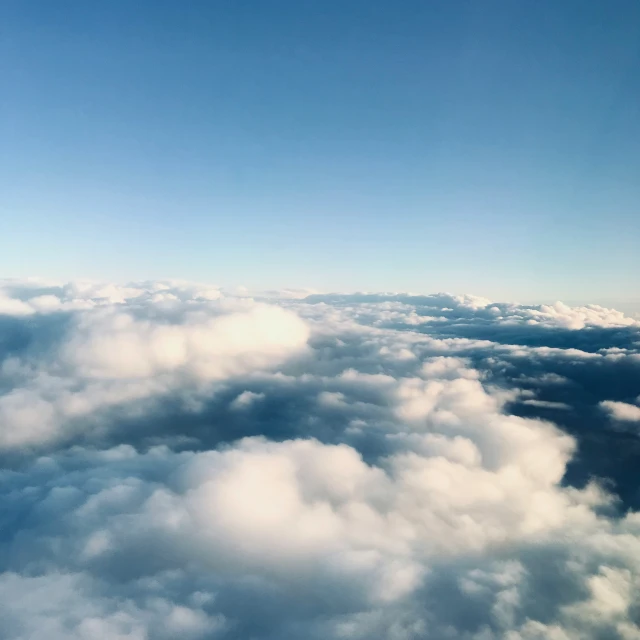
<point>487,147</point>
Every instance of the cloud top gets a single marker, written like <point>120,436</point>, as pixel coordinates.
<point>184,461</point>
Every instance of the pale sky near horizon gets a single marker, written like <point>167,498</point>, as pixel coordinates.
<point>491,148</point>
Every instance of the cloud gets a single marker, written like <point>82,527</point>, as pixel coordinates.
<point>547,404</point>
<point>184,461</point>
<point>119,345</point>
<point>621,410</point>
<point>446,306</point>
<point>117,354</point>
<point>59,606</point>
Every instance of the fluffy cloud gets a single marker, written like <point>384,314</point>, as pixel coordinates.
<point>118,345</point>
<point>622,410</point>
<point>183,461</point>
<point>63,606</point>
<point>117,353</point>
<point>442,307</point>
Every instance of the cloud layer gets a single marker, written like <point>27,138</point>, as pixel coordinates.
<point>182,461</point>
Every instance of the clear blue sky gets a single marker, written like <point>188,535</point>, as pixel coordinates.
<point>491,147</point>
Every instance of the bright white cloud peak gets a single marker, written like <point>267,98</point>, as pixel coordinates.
<point>184,462</point>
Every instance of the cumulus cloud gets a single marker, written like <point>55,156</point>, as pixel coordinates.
<point>116,353</point>
<point>118,345</point>
<point>415,309</point>
<point>622,410</point>
<point>185,461</point>
<point>63,606</point>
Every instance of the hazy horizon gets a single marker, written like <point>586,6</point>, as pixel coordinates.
<point>362,146</point>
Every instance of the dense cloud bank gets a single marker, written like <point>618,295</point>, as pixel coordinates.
<point>183,462</point>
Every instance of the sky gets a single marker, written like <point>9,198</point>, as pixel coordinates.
<point>319,319</point>
<point>490,148</point>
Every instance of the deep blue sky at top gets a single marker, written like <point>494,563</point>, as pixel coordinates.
<point>483,146</point>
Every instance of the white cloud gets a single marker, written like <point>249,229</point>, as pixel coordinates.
<point>118,345</point>
<point>68,606</point>
<point>546,404</point>
<point>593,315</point>
<point>246,399</point>
<point>118,353</point>
<point>388,490</point>
<point>621,410</point>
